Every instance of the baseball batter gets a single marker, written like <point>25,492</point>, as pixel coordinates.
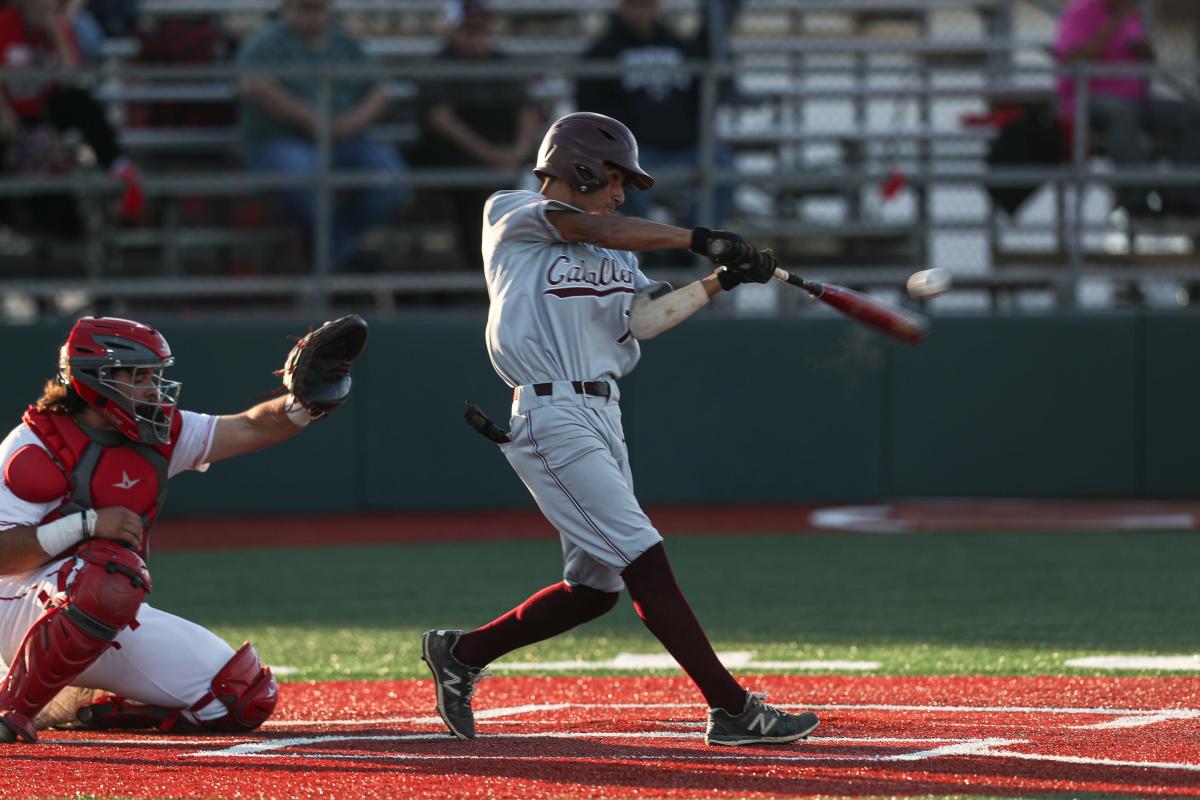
<point>84,478</point>
<point>569,305</point>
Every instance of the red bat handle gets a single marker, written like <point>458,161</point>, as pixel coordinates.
<point>895,322</point>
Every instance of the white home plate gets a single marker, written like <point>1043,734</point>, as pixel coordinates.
<point>734,659</point>
<point>1137,662</point>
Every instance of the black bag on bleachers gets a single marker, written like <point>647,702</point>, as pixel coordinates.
<point>1032,139</point>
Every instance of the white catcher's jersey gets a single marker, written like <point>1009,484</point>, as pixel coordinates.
<point>190,453</point>
<point>165,660</point>
<point>559,310</point>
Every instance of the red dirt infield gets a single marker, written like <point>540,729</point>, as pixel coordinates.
<point>643,737</point>
<point>903,517</point>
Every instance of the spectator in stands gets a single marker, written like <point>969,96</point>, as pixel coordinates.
<point>33,111</point>
<point>96,20</point>
<point>281,120</point>
<point>655,97</point>
<point>1111,32</point>
<point>491,124</point>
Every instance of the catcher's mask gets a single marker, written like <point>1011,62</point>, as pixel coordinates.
<point>141,405</point>
<point>578,145</point>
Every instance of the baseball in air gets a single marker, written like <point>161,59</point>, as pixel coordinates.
<point>929,283</point>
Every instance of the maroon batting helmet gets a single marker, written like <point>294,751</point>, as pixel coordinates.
<point>99,346</point>
<point>578,145</point>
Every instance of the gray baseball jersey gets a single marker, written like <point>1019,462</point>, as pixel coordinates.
<point>560,313</point>
<point>559,310</point>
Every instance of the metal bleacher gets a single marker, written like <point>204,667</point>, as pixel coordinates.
<point>830,102</point>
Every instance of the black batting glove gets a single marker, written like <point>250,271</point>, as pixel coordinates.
<point>720,247</point>
<point>729,279</point>
<point>759,267</point>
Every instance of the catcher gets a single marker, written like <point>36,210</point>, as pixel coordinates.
<point>84,478</point>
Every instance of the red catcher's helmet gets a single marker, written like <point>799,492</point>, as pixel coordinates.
<point>99,346</point>
<point>578,145</point>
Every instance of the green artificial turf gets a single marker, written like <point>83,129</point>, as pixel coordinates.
<point>1006,603</point>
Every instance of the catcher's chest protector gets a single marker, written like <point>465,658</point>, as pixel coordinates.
<point>92,468</point>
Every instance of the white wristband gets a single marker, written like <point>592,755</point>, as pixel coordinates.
<point>297,413</point>
<point>57,536</point>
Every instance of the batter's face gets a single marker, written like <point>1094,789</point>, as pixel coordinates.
<point>605,200</point>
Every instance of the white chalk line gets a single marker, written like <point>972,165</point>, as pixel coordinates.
<point>732,659</point>
<point>265,746</point>
<point>1188,663</point>
<point>1125,718</point>
<point>946,747</point>
<point>1145,715</point>
<point>484,714</point>
<point>970,747</point>
<point>1102,762</point>
<point>1139,721</point>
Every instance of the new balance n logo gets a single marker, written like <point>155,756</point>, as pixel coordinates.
<point>762,724</point>
<point>450,681</point>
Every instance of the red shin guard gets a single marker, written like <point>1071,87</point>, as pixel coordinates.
<point>103,599</point>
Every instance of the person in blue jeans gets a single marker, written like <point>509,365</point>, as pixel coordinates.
<point>280,120</point>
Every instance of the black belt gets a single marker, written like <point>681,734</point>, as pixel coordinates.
<point>593,388</point>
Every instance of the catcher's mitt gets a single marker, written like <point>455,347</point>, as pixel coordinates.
<point>317,371</point>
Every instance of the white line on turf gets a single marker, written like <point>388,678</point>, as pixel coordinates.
<point>496,713</point>
<point>487,713</point>
<point>947,747</point>
<point>270,748</point>
<point>1171,663</point>
<point>1137,722</point>
<point>266,746</point>
<point>1103,762</point>
<point>974,747</point>
<point>733,659</point>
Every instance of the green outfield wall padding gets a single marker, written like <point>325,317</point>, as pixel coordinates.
<point>418,450</point>
<point>757,412</point>
<point>1019,407</point>
<point>1170,384</point>
<point>808,409</point>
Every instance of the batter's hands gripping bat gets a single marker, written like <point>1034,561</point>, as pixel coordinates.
<point>898,323</point>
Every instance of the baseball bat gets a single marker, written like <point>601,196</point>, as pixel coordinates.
<point>898,323</point>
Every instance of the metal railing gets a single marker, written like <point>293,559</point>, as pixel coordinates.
<point>1075,176</point>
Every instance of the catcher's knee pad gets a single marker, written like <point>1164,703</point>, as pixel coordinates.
<point>108,589</point>
<point>247,690</point>
<point>110,582</point>
<point>244,686</point>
